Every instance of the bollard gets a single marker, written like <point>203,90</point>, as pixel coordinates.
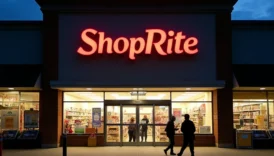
<point>64,144</point>
<point>1,144</point>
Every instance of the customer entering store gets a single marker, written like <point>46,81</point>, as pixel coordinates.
<point>188,129</point>
<point>132,130</point>
<point>144,123</point>
<point>170,132</point>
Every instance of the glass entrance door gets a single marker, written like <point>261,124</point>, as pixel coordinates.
<point>137,125</point>
<point>131,124</point>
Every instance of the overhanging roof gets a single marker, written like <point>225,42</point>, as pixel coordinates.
<point>136,2</point>
<point>254,75</point>
<point>20,76</point>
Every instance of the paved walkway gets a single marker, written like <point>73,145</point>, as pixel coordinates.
<point>135,151</point>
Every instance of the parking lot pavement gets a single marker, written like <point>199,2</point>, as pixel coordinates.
<point>135,151</point>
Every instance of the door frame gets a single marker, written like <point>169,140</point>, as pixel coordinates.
<point>136,103</point>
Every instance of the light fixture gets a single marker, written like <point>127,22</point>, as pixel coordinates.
<point>140,93</point>
<point>88,88</point>
<point>11,88</point>
<point>188,88</point>
<point>262,88</point>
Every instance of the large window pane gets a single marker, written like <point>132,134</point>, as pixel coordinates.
<point>9,97</point>
<point>160,134</point>
<point>191,96</point>
<point>161,114</point>
<point>113,114</point>
<point>271,110</point>
<point>129,112</point>
<point>250,110</point>
<point>78,116</point>
<point>200,113</point>
<point>113,133</point>
<point>9,110</point>
<point>250,115</point>
<point>29,96</point>
<point>146,135</point>
<point>83,96</point>
<point>120,96</point>
<point>154,96</point>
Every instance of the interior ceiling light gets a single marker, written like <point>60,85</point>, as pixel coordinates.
<point>88,88</point>
<point>140,93</point>
<point>188,88</point>
<point>262,88</point>
<point>11,88</point>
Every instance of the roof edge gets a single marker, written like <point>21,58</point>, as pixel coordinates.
<point>253,24</point>
<point>14,24</point>
<point>134,2</point>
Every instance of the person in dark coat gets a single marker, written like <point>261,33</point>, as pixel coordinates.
<point>170,132</point>
<point>144,123</point>
<point>188,129</point>
<point>132,130</point>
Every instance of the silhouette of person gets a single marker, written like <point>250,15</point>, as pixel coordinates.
<point>132,130</point>
<point>188,129</point>
<point>170,132</point>
<point>144,123</point>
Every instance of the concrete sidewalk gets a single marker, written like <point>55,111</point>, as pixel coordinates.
<point>135,151</point>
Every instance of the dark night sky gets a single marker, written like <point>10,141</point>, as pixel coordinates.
<point>243,10</point>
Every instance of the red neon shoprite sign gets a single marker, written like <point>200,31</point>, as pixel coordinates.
<point>175,43</point>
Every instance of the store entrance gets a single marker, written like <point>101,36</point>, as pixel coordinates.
<point>136,123</point>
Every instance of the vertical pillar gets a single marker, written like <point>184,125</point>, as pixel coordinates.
<point>222,98</point>
<point>51,100</point>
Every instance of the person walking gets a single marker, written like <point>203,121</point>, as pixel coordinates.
<point>132,130</point>
<point>188,129</point>
<point>144,123</point>
<point>170,132</point>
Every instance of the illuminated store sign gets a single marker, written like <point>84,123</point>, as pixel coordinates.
<point>168,43</point>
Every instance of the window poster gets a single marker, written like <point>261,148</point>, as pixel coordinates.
<point>31,119</point>
<point>9,119</point>
<point>79,128</point>
<point>96,117</point>
<point>177,112</point>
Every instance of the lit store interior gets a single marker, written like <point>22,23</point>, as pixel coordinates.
<point>253,110</point>
<point>16,104</point>
<point>115,117</point>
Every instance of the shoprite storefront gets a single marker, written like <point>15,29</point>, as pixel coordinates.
<point>97,67</point>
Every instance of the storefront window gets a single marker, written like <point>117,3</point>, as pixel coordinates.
<point>29,110</point>
<point>198,105</point>
<point>9,105</point>
<point>191,96</point>
<point>271,110</point>
<point>153,95</point>
<point>83,96</point>
<point>81,114</point>
<point>120,96</point>
<point>250,110</point>
<point>113,114</point>
<point>14,107</point>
